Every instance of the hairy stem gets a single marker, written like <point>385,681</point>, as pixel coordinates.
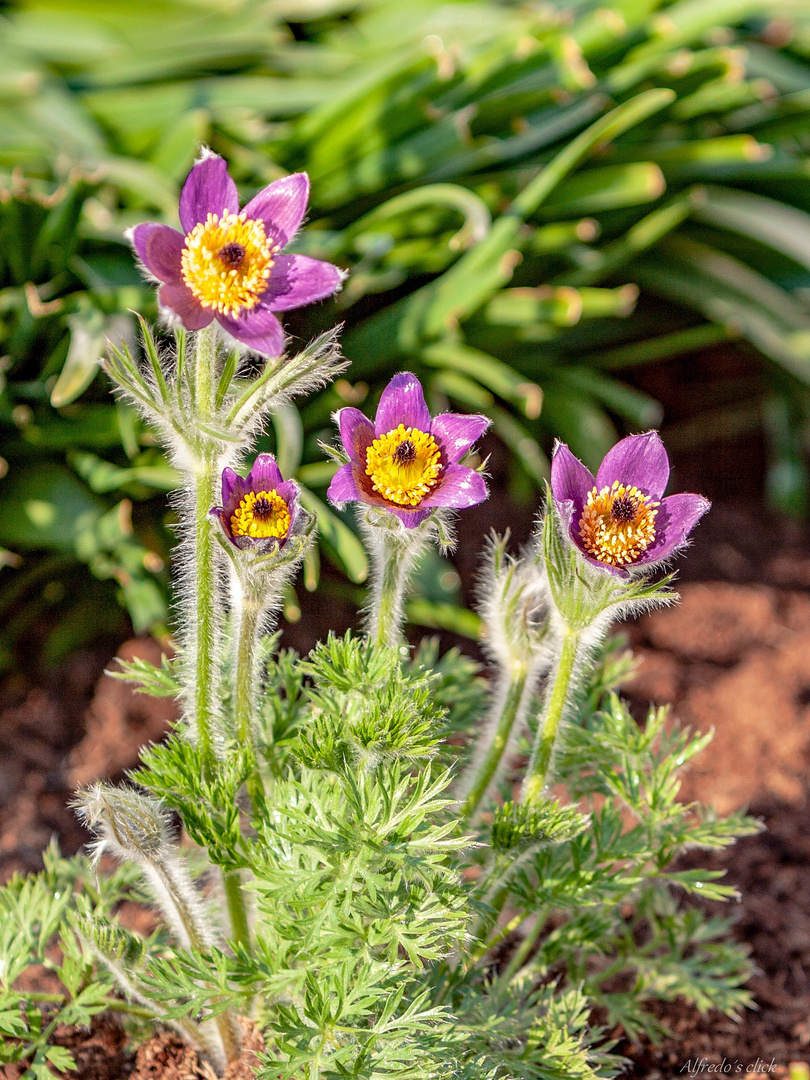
<point>511,699</point>
<point>392,560</point>
<point>170,882</point>
<point>205,629</point>
<point>248,614</point>
<point>552,715</point>
<point>205,624</point>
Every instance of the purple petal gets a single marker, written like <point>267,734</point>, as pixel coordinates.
<point>409,518</point>
<point>208,190</point>
<point>288,490</point>
<point>159,248</point>
<point>402,402</point>
<point>343,489</point>
<point>459,487</point>
<point>178,298</point>
<point>356,433</point>
<point>619,571</point>
<point>228,483</point>
<point>677,516</point>
<point>234,489</point>
<point>570,480</point>
<point>259,329</point>
<point>297,280</point>
<point>265,474</point>
<point>640,460</point>
<point>455,433</point>
<point>217,513</point>
<point>281,206</point>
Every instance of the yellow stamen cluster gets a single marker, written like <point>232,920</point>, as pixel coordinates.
<point>261,514</point>
<point>227,262</point>
<point>404,465</point>
<point>617,524</point>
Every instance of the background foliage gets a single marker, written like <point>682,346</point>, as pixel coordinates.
<point>419,124</point>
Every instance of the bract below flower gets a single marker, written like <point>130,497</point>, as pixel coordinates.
<point>619,519</point>
<point>259,510</point>
<point>406,462</point>
<point>226,264</point>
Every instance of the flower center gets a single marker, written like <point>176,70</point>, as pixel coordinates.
<point>261,514</point>
<point>617,524</point>
<point>227,262</point>
<point>232,254</point>
<point>404,465</point>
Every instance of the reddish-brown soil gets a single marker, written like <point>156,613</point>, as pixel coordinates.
<point>735,656</point>
<point>77,726</point>
<point>165,1056</point>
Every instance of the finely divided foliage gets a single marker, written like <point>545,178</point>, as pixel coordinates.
<point>357,871</point>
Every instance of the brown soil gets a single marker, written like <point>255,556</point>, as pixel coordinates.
<point>734,656</point>
<point>77,727</point>
<point>100,1052</point>
<point>165,1056</point>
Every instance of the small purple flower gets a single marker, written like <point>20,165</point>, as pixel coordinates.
<point>259,510</point>
<point>225,264</point>
<point>619,518</point>
<point>405,462</point>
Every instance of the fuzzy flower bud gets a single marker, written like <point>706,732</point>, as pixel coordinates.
<point>129,825</point>
<point>134,828</point>
<point>515,605</point>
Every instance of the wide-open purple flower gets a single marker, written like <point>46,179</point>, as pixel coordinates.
<point>405,461</point>
<point>619,519</point>
<point>258,511</point>
<point>226,265</point>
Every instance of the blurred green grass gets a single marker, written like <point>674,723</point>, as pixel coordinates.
<point>515,189</point>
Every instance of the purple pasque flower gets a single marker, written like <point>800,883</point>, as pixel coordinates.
<point>405,461</point>
<point>619,519</point>
<point>226,265</point>
<point>259,510</point>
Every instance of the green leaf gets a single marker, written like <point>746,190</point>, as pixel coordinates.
<point>87,347</point>
<point>45,506</point>
<point>60,1057</point>
<point>608,188</point>
<point>439,616</point>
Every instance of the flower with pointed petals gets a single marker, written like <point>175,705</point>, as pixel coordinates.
<point>406,462</point>
<point>619,519</point>
<point>258,511</point>
<point>226,265</point>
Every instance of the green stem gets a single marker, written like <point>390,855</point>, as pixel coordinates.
<point>509,705</point>
<point>113,1004</point>
<point>522,952</point>
<point>392,562</point>
<point>494,882</point>
<point>249,617</point>
<point>206,667</point>
<point>206,624</point>
<point>226,1023</point>
<point>237,909</point>
<point>547,732</point>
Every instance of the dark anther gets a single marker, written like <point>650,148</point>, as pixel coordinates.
<point>405,453</point>
<point>232,254</point>
<point>262,508</point>
<point>623,509</point>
